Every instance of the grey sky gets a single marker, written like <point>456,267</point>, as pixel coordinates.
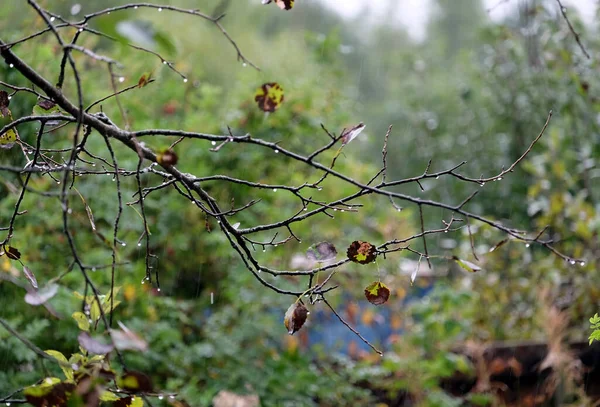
<point>414,13</point>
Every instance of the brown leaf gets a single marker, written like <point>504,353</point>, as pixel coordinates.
<point>4,102</point>
<point>295,317</point>
<point>361,252</point>
<point>144,80</point>
<point>46,104</point>
<point>377,293</point>
<point>167,157</point>
<point>269,96</point>
<point>12,252</point>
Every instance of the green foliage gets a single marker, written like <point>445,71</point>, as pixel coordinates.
<point>595,325</point>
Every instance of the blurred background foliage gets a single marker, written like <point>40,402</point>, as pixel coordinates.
<point>473,89</point>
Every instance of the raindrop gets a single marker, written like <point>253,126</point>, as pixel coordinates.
<point>582,263</point>
<point>171,397</point>
<point>500,179</point>
<point>108,12</point>
<point>165,62</point>
<point>341,210</point>
<point>319,188</point>
<point>29,152</point>
<point>58,182</point>
<point>158,289</point>
<point>274,189</point>
<point>69,211</point>
<point>482,184</point>
<point>244,64</point>
<point>264,250</point>
<point>10,97</point>
<point>90,321</point>
<point>123,244</point>
<point>75,9</point>
<point>8,404</point>
<point>572,262</point>
<point>438,177</point>
<point>335,209</point>
<point>185,80</point>
<point>143,282</point>
<point>52,19</point>
<point>214,143</point>
<point>527,245</point>
<point>80,30</point>
<point>122,79</point>
<point>93,268</point>
<point>276,151</point>
<point>308,313</point>
<point>305,209</point>
<point>160,396</point>
<point>136,7</point>
<point>445,231</point>
<point>139,244</point>
<point>11,66</point>
<point>275,245</point>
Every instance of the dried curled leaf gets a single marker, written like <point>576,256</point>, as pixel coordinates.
<point>30,276</point>
<point>135,381</point>
<point>352,133</point>
<point>467,265</point>
<point>269,96</point>
<point>295,317</point>
<point>92,345</point>
<point>377,293</point>
<point>322,251</point>
<point>144,80</point>
<point>12,252</point>
<point>167,157</point>
<point>361,252</point>
<point>4,102</point>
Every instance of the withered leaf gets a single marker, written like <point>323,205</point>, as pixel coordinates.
<point>30,276</point>
<point>322,251</point>
<point>135,381</point>
<point>352,133</point>
<point>269,96</point>
<point>144,80</point>
<point>4,102</point>
<point>124,339</point>
<point>377,293</point>
<point>92,345</point>
<point>295,317</point>
<point>361,252</point>
<point>42,295</point>
<point>46,104</point>
<point>167,157</point>
<point>12,252</point>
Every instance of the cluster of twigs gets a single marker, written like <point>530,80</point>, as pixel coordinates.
<point>78,161</point>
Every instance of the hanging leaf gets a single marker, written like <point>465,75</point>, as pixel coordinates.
<point>50,393</point>
<point>135,382</point>
<point>361,252</point>
<point>269,96</point>
<point>295,317</point>
<point>467,265</point>
<point>352,133</point>
<point>377,293</point>
<point>41,296</point>
<point>64,365</point>
<point>167,157</point>
<point>30,276</point>
<point>124,339</point>
<point>12,252</point>
<point>92,345</point>
<point>88,210</point>
<point>322,251</point>
<point>45,107</point>
<point>4,102</point>
<point>82,320</point>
